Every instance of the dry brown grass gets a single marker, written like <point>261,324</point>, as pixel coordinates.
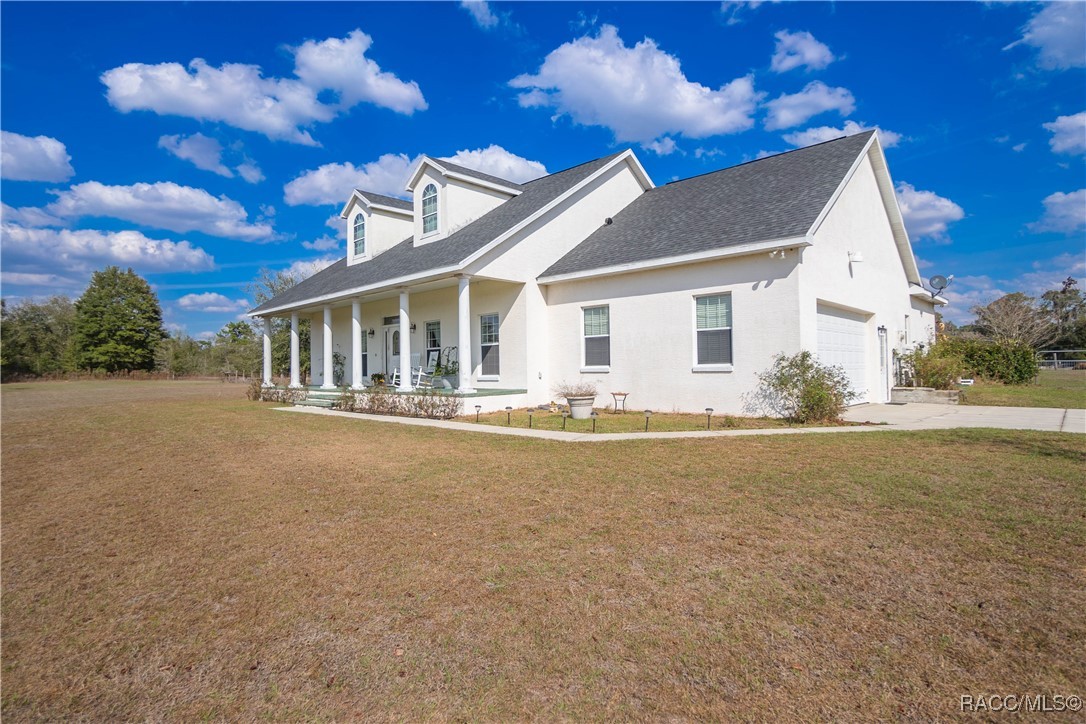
<point>186,554</point>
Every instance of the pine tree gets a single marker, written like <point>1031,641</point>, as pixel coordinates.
<point>118,322</point>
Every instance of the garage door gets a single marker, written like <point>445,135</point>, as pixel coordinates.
<point>842,341</point>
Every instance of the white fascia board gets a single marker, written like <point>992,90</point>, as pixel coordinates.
<point>921,293</point>
<point>639,170</point>
<point>623,158</point>
<point>422,163</point>
<point>356,291</point>
<point>480,182</point>
<point>889,201</point>
<point>739,250</point>
<point>358,196</point>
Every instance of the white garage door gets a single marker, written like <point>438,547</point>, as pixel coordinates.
<point>842,341</point>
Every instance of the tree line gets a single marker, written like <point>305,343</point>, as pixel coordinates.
<point>116,327</point>
<point>1055,320</point>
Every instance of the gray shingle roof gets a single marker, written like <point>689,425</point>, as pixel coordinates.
<point>456,168</point>
<point>773,198</point>
<point>405,259</point>
<point>387,200</point>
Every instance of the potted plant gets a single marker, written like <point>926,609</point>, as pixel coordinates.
<point>447,370</point>
<point>580,396</point>
<point>377,379</point>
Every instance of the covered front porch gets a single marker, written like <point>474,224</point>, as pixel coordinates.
<point>456,322</point>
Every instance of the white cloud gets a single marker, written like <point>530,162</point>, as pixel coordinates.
<point>789,110</point>
<point>1019,147</point>
<point>481,13</point>
<point>23,279</point>
<point>341,65</point>
<point>280,108</point>
<point>332,183</point>
<point>707,152</point>
<point>927,214</point>
<point>821,134</point>
<point>1068,134</point>
<point>250,172</point>
<point>799,49</point>
<point>1064,213</point>
<point>734,11</point>
<point>33,158</point>
<point>496,161</point>
<point>212,302</point>
<point>324,243</point>
<point>46,250</point>
<point>662,147</point>
<point>163,205</point>
<point>28,216</point>
<point>305,269</point>
<point>1043,275</point>
<point>640,93</point>
<point>338,225</point>
<point>201,151</point>
<point>1058,32</point>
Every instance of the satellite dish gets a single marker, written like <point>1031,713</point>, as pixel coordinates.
<point>939,282</point>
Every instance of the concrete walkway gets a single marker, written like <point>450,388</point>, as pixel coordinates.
<point>914,416</point>
<point>924,416</point>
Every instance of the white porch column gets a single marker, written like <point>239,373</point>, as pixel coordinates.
<point>463,328</point>
<point>405,341</point>
<point>267,352</point>
<point>356,344</point>
<point>295,373</point>
<point>329,383</point>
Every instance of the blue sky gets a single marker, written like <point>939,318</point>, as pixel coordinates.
<point>198,142</point>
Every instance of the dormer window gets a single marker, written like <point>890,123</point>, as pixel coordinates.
<point>429,209</point>
<point>359,235</point>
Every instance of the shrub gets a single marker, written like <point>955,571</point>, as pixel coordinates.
<point>381,400</point>
<point>933,368</point>
<point>800,389</point>
<point>257,392</point>
<point>1007,362</point>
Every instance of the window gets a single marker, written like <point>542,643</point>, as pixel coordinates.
<point>396,343</point>
<point>359,235</point>
<point>488,342</point>
<point>433,342</point>
<point>365,357</point>
<point>429,209</point>
<point>597,337</point>
<point>714,329</point>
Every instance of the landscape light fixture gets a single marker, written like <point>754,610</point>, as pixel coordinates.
<point>594,417</point>
<point>564,416</point>
<point>648,414</point>
<point>708,416</point>
<point>530,413</point>
<point>508,414</point>
<point>477,409</point>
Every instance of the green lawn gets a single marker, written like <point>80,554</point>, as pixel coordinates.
<point>1054,388</point>
<point>174,552</point>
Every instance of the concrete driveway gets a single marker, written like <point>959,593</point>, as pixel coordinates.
<point>924,416</point>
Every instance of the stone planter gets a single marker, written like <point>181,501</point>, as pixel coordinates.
<point>580,408</point>
<point>446,382</point>
<point>902,395</point>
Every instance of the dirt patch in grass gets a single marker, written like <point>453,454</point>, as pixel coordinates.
<point>201,556</point>
<point>608,421</point>
<point>1053,388</point>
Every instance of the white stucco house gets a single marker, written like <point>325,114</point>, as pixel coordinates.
<point>676,294</point>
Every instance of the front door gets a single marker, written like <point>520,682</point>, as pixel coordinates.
<point>392,349</point>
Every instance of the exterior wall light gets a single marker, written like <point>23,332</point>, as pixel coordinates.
<point>371,332</point>
<point>855,257</point>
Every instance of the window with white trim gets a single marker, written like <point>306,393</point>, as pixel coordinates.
<point>713,344</point>
<point>429,209</point>
<point>433,341</point>
<point>359,235</point>
<point>488,344</point>
<point>597,336</point>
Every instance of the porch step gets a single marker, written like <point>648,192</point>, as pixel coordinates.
<point>320,398</point>
<point>314,402</point>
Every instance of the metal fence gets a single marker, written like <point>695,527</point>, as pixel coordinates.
<point>1062,359</point>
